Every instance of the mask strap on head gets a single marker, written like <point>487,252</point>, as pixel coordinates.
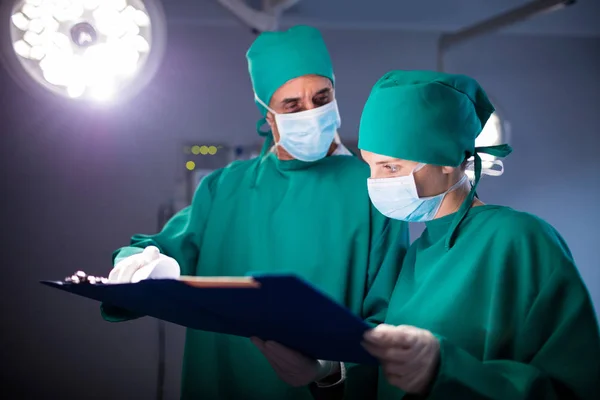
<point>502,150</point>
<point>268,143</point>
<point>262,103</point>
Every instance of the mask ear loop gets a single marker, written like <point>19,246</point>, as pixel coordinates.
<point>417,168</point>
<point>262,103</point>
<point>267,144</point>
<point>451,189</point>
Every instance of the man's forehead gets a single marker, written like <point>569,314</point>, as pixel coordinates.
<point>303,85</point>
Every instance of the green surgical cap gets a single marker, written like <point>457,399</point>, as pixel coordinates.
<point>278,57</point>
<point>431,118</point>
<point>424,116</point>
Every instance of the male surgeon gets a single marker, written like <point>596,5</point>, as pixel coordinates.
<point>302,206</point>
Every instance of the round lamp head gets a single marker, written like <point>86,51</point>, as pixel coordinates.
<point>94,50</point>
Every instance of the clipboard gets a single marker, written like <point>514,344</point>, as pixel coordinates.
<point>280,307</point>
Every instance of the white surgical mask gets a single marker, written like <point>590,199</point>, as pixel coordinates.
<point>307,135</point>
<point>398,198</point>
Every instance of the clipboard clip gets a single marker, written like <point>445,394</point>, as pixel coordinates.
<point>81,277</point>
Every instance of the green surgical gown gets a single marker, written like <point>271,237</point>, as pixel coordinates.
<point>513,316</point>
<point>268,215</point>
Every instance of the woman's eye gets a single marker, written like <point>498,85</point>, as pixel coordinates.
<point>391,168</point>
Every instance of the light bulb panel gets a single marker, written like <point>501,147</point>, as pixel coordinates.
<point>83,48</point>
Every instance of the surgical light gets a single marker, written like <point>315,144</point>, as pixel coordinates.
<point>91,49</point>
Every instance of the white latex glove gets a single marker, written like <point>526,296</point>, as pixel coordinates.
<point>409,356</point>
<point>294,368</point>
<point>147,264</point>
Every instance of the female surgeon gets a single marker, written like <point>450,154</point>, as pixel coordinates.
<point>489,303</point>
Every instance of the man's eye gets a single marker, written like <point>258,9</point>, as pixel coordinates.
<point>391,168</point>
<point>321,100</point>
<point>291,107</point>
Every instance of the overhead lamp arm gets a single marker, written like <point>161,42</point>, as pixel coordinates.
<point>265,19</point>
<point>495,23</point>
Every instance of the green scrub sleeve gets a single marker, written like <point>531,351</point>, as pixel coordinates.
<point>180,239</point>
<point>390,241</point>
<point>568,352</point>
<point>389,244</point>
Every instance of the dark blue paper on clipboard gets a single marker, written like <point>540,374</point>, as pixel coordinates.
<point>283,308</point>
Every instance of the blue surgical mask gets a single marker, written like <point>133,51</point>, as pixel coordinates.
<point>307,135</point>
<point>398,198</point>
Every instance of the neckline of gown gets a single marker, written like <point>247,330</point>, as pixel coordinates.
<point>439,227</point>
<point>294,165</point>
